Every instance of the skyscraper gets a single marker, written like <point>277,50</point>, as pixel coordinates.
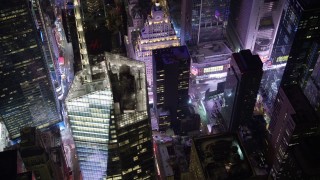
<point>130,145</point>
<point>254,23</point>
<point>110,122</point>
<point>303,53</point>
<point>27,97</point>
<point>293,119</point>
<point>171,83</point>
<point>295,49</point>
<point>157,33</point>
<point>241,89</point>
<point>208,20</point>
<point>88,108</point>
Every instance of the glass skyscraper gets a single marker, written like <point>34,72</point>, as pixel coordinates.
<point>110,122</point>
<point>88,107</point>
<point>26,95</point>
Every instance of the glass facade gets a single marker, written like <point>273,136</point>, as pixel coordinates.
<point>110,122</point>
<point>130,147</point>
<point>89,117</point>
<point>26,96</point>
<point>241,89</point>
<point>171,79</point>
<point>208,18</point>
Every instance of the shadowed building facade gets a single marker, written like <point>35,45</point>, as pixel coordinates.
<point>241,89</point>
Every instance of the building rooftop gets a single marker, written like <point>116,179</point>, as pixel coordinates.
<point>165,160</point>
<point>222,157</point>
<point>304,111</point>
<point>310,4</point>
<point>247,62</point>
<point>210,51</point>
<point>171,55</point>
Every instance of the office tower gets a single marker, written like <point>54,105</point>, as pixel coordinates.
<point>219,157</point>
<point>88,108</point>
<point>34,156</point>
<point>136,20</point>
<point>133,150</point>
<point>254,24</point>
<point>292,121</point>
<point>43,15</point>
<point>27,98</point>
<point>295,48</point>
<point>241,89</point>
<point>302,160</point>
<point>99,26</point>
<point>312,90</point>
<point>110,122</point>
<point>303,53</point>
<point>156,33</point>
<point>171,83</point>
<point>70,29</point>
<point>208,20</point>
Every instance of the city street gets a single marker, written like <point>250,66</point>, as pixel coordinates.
<point>205,107</point>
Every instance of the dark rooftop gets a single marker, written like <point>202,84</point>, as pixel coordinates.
<point>222,157</point>
<point>307,153</point>
<point>247,62</point>
<point>8,164</point>
<point>310,4</point>
<point>171,55</point>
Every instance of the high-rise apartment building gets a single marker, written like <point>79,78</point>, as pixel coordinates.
<point>157,33</point>
<point>171,83</point>
<point>204,20</point>
<point>110,122</point>
<point>27,97</point>
<point>241,89</point>
<point>293,119</point>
